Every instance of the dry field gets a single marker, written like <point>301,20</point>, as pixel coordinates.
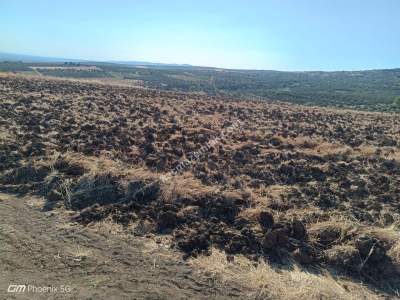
<point>288,201</point>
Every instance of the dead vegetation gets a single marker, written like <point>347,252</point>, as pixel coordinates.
<point>271,282</point>
<point>291,186</point>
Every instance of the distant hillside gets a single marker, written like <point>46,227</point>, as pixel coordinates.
<point>12,57</point>
<point>366,90</point>
<point>34,59</point>
<point>146,63</point>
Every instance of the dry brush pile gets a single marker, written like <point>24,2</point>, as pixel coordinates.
<point>315,185</point>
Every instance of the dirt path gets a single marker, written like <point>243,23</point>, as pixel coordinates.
<point>36,71</point>
<point>43,249</point>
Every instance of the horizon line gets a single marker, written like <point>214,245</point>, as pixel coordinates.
<point>151,63</point>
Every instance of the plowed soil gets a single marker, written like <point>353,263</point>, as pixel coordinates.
<point>276,183</point>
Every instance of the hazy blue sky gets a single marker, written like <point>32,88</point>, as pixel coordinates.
<point>268,34</point>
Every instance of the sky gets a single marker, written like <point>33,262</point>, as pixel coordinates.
<point>294,35</point>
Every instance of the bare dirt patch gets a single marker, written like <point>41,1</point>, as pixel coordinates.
<point>46,249</point>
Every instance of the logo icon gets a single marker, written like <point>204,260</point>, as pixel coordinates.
<point>14,288</point>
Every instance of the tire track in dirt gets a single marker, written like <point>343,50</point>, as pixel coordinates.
<point>44,249</point>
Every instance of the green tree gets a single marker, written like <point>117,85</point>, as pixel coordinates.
<point>396,101</point>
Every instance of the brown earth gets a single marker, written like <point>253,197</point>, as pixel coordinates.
<point>46,249</point>
<point>275,183</point>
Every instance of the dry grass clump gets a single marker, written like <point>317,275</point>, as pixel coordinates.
<point>329,232</point>
<point>273,194</point>
<point>306,142</point>
<point>183,186</point>
<point>251,214</point>
<point>328,148</point>
<point>87,164</point>
<point>28,173</point>
<point>272,283</point>
<point>389,235</point>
